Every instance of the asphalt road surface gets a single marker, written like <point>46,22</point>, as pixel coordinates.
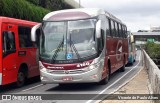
<point>75,93</point>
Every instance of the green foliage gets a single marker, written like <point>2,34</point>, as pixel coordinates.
<point>153,49</point>
<point>35,2</point>
<point>54,4</point>
<point>22,9</point>
<point>49,4</point>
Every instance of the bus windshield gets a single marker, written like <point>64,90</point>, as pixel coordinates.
<point>66,40</point>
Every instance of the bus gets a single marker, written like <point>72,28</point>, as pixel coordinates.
<point>132,49</point>
<point>18,59</point>
<point>80,46</point>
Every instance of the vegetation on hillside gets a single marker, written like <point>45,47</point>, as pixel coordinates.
<point>33,10</point>
<point>35,2</point>
<point>22,9</point>
<point>49,4</point>
<point>153,49</point>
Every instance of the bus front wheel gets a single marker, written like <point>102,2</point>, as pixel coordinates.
<point>105,80</point>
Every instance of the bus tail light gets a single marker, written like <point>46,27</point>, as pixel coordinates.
<point>93,66</point>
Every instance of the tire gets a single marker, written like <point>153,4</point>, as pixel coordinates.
<point>21,78</point>
<point>122,69</point>
<point>104,81</point>
<point>134,60</point>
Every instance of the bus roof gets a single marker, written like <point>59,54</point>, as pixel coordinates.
<point>79,13</point>
<point>16,21</point>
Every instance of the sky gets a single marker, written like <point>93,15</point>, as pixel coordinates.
<point>136,14</point>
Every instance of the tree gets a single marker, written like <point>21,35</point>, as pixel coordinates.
<point>42,3</point>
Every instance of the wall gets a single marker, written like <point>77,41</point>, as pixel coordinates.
<point>154,75</point>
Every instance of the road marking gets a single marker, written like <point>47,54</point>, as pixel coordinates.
<point>128,80</point>
<point>89,101</point>
<point>32,88</point>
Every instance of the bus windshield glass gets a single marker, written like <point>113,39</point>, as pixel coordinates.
<point>66,40</point>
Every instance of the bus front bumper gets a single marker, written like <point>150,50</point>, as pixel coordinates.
<point>87,77</point>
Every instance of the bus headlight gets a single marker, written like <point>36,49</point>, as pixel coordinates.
<point>93,66</point>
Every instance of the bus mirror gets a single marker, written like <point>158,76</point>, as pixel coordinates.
<point>98,29</point>
<point>33,32</point>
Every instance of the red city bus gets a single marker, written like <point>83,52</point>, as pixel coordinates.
<point>18,53</point>
<point>80,45</point>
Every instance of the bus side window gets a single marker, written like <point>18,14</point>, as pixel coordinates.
<point>120,30</point>
<point>112,29</point>
<point>38,34</point>
<point>107,28</point>
<point>116,29</point>
<point>24,34</point>
<point>123,32</point>
<point>101,39</point>
<point>8,43</point>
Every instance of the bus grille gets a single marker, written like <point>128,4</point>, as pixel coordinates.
<point>64,71</point>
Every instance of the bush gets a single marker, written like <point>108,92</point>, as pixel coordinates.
<point>35,2</point>
<point>153,50</point>
<point>22,9</point>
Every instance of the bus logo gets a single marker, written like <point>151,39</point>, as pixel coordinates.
<point>119,50</point>
<point>66,72</point>
<point>6,97</point>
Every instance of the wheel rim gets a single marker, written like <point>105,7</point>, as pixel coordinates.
<point>21,78</point>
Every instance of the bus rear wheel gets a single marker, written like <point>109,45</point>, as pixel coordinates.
<point>122,69</point>
<point>20,79</point>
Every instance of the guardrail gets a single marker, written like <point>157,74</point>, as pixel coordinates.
<point>154,75</point>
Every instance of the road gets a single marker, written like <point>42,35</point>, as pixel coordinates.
<point>80,93</point>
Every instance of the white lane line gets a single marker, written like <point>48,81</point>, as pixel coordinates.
<point>32,87</point>
<point>89,101</point>
<point>127,80</point>
<point>98,101</point>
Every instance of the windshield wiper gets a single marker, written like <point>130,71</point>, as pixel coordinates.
<point>73,46</point>
<point>57,50</point>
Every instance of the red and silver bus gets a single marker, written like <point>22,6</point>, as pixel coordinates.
<point>80,45</point>
<point>17,53</point>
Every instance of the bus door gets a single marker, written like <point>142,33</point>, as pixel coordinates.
<point>9,53</point>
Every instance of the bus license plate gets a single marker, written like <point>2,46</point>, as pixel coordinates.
<point>67,78</point>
